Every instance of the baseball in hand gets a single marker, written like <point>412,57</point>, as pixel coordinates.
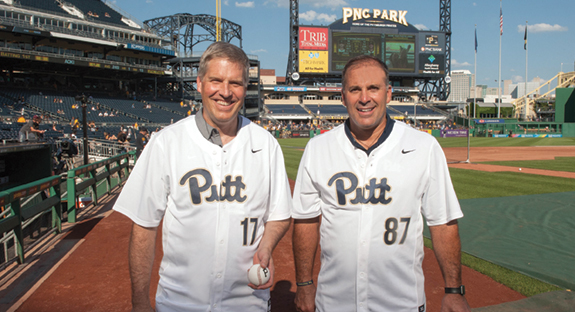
<point>258,275</point>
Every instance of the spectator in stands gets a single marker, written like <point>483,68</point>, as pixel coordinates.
<point>55,128</point>
<point>31,127</point>
<point>110,137</point>
<point>142,139</point>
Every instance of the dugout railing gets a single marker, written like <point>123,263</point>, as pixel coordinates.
<point>58,198</point>
<point>86,179</point>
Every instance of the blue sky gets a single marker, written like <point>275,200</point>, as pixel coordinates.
<point>265,26</point>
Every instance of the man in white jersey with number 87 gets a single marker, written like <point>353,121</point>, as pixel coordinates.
<point>219,184</point>
<point>372,180</point>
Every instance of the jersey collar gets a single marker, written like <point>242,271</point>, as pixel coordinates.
<point>208,132</point>
<point>386,132</point>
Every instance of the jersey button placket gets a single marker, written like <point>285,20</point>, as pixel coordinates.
<point>222,226</point>
<point>364,234</point>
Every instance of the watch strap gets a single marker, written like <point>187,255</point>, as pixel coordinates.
<point>455,290</point>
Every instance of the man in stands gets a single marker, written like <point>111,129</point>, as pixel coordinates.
<point>32,126</point>
<point>141,140</point>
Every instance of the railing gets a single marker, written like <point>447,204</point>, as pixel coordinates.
<point>81,58</point>
<point>15,217</point>
<point>25,204</point>
<point>90,175</point>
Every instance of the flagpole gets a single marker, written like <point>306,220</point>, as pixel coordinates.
<point>526,110</point>
<point>500,34</point>
<point>475,76</point>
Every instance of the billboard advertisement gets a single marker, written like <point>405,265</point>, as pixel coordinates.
<point>431,64</point>
<point>384,34</point>
<point>313,61</point>
<point>313,38</point>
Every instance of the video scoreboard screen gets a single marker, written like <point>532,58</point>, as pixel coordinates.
<point>406,50</point>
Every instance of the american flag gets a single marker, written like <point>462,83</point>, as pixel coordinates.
<point>501,20</point>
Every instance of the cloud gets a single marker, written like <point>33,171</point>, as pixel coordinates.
<point>457,64</point>
<point>541,27</point>
<point>226,2</point>
<point>249,4</point>
<point>259,51</point>
<point>311,15</point>
<point>512,70</point>
<point>148,1</point>
<point>334,4</point>
<point>421,27</point>
<point>474,4</point>
<point>517,79</point>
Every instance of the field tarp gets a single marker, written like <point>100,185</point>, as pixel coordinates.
<point>530,234</point>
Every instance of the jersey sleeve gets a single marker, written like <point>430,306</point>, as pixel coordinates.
<point>306,196</point>
<point>144,196</point>
<point>439,202</point>
<point>280,204</point>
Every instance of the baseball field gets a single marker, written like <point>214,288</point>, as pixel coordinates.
<point>517,239</point>
<point>518,197</point>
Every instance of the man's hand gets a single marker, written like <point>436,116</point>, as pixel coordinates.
<point>305,298</point>
<point>455,303</point>
<point>265,260</point>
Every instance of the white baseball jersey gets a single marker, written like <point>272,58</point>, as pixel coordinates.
<point>371,208</point>
<point>215,202</point>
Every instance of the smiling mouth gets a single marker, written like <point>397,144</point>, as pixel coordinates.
<point>224,103</point>
<point>365,110</point>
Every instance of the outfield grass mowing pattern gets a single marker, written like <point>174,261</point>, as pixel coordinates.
<point>558,164</point>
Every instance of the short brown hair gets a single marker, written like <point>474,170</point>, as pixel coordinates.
<point>227,51</point>
<point>360,60</point>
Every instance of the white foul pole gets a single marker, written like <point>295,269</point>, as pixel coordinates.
<point>500,35</point>
<point>526,110</point>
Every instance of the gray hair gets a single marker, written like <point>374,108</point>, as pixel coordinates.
<point>361,59</point>
<point>227,51</point>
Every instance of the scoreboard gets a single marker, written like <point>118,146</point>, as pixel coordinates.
<point>384,34</point>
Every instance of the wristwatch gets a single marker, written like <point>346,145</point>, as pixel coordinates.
<point>455,290</point>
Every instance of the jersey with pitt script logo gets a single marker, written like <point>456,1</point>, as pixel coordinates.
<point>214,202</point>
<point>372,207</point>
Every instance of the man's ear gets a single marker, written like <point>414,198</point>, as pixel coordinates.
<point>199,84</point>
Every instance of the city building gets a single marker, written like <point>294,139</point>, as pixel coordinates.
<point>518,89</point>
<point>461,85</point>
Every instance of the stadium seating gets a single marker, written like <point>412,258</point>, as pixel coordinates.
<point>328,109</point>
<point>93,9</point>
<point>47,5</point>
<point>99,11</point>
<point>286,109</point>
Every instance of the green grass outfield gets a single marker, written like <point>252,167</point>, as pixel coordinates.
<point>498,142</point>
<point>477,184</point>
<point>559,164</point>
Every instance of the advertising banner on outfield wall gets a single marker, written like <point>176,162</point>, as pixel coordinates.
<point>313,61</point>
<point>300,134</point>
<point>454,133</point>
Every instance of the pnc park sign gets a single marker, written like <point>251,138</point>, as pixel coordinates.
<point>356,14</point>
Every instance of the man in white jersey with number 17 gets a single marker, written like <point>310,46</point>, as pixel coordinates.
<point>372,180</point>
<point>219,184</point>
